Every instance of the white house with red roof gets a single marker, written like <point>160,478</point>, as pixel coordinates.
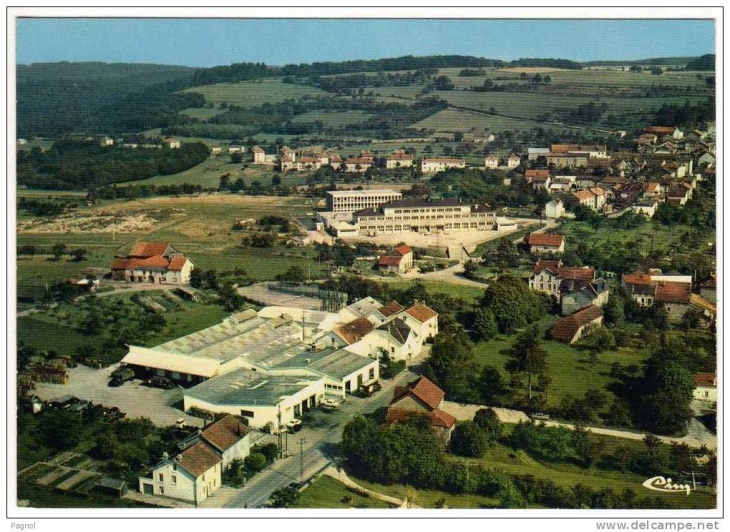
<point>192,475</point>
<point>259,155</point>
<point>549,275</point>
<point>229,438</point>
<point>399,159</point>
<point>705,387</point>
<point>545,243</point>
<point>154,263</point>
<point>397,261</point>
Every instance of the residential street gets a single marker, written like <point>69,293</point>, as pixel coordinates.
<point>318,449</point>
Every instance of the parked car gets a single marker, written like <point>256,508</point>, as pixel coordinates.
<point>330,403</point>
<point>160,382</point>
<point>540,416</point>
<point>121,377</point>
<point>294,425</point>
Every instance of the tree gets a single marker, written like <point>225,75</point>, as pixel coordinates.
<point>255,461</point>
<point>58,250</point>
<point>491,386</point>
<point>79,254</point>
<point>283,498</point>
<point>225,182</point>
<point>294,275</point>
<point>526,355</point>
<point>469,439</point>
<point>236,157</point>
<point>669,388</point>
<point>196,278</point>
<point>485,324</point>
<point>514,305</point>
<point>26,250</point>
<point>452,367</point>
<point>276,180</point>
<point>443,83</point>
<point>488,420</point>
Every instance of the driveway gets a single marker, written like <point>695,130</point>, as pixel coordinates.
<point>162,407</point>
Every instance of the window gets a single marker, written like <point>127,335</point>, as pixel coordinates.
<point>203,477</point>
<point>161,477</point>
<point>372,374</point>
<point>162,490</point>
<point>174,467</point>
<point>174,479</point>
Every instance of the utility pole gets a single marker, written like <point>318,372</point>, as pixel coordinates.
<point>278,433</point>
<point>301,442</point>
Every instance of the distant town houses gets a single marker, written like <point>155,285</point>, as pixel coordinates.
<point>439,164</point>
<point>154,263</point>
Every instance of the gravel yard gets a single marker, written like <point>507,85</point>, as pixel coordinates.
<point>160,406</point>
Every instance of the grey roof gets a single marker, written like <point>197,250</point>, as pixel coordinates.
<point>398,329</point>
<point>330,362</point>
<point>242,387</point>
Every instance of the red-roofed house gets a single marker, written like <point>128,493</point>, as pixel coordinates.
<point>399,159</point>
<point>548,275</point>
<point>705,387</point>
<point>193,475</point>
<point>398,261</point>
<point>154,263</point>
<point>423,320</point>
<point>425,398</point>
<point>572,328</point>
<point>259,155</point>
<point>229,438</point>
<point>538,179</point>
<point>545,243</point>
<point>675,298</point>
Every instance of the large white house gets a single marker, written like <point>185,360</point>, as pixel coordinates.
<point>154,263</point>
<point>193,475</point>
<point>439,164</point>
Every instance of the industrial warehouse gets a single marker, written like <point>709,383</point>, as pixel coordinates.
<point>273,365</point>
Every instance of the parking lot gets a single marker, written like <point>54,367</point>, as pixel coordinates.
<point>162,407</point>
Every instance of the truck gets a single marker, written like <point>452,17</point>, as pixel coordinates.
<point>121,376</point>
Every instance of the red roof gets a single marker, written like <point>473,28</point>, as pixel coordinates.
<point>148,249</point>
<point>403,249</point>
<point>354,331</point>
<point>390,308</point>
<point>636,278</point>
<point>439,418</point>
<point>567,328</point>
<point>577,273</point>
<point>177,263</point>
<point>198,459</point>
<point>389,260</point>
<point>552,265</point>
<point>401,156</point>
<point>423,389</point>
<point>670,292</point>
<point>705,379</point>
<point>444,160</point>
<point>421,312</point>
<point>225,433</point>
<point>545,239</point>
<point>537,173</point>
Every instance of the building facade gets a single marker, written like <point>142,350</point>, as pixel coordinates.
<point>355,200</point>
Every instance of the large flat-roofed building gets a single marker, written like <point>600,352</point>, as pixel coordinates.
<point>355,200</point>
<point>424,216</point>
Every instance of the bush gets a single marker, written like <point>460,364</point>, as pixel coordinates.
<point>255,462</point>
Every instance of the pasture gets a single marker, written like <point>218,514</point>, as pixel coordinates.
<point>333,118</point>
<point>202,113</point>
<point>452,120</point>
<point>255,93</point>
<point>327,492</point>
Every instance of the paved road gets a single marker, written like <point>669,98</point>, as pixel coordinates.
<point>318,451</point>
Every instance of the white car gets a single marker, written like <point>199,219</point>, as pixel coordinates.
<point>294,425</point>
<point>330,403</point>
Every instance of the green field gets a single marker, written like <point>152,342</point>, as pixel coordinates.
<point>333,118</point>
<point>202,113</point>
<point>327,492</point>
<point>55,329</point>
<point>253,94</point>
<point>471,294</point>
<point>571,371</point>
<point>451,120</point>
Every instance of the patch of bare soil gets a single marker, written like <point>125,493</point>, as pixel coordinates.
<point>102,221</point>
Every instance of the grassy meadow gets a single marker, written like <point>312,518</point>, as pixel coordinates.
<point>255,93</point>
<point>327,492</point>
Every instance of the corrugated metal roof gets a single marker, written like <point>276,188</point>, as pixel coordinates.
<point>142,356</point>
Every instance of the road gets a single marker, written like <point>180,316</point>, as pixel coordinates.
<point>318,449</point>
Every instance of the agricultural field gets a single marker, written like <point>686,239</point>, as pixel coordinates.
<point>255,93</point>
<point>202,113</point>
<point>333,118</point>
<point>200,227</point>
<point>452,120</point>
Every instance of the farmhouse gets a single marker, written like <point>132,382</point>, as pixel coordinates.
<point>491,162</point>
<point>358,165</point>
<point>259,155</point>
<point>572,328</point>
<point>193,475</point>
<point>576,294</point>
<point>421,397</point>
<point>545,243</point>
<point>513,161</point>
<point>154,263</point>
<point>439,164</point>
<point>399,159</point>
<point>398,261</point>
<point>348,201</point>
<point>401,216</point>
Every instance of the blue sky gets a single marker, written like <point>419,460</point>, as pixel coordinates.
<point>209,42</point>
